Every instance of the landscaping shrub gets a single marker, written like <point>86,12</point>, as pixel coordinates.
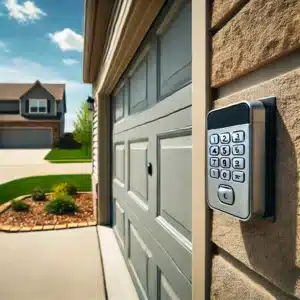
<point>66,142</point>
<point>65,188</point>
<point>38,194</point>
<point>61,204</point>
<point>19,206</point>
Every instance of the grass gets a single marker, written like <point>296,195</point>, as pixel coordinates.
<point>67,161</point>
<point>24,186</point>
<point>68,156</point>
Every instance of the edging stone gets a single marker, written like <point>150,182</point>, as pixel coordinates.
<point>15,229</point>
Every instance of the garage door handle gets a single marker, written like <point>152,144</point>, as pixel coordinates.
<point>149,169</point>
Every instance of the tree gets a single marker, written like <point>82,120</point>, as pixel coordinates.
<point>83,128</point>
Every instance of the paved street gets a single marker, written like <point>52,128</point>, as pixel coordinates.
<point>19,163</point>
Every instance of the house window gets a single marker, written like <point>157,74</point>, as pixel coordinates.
<point>38,106</point>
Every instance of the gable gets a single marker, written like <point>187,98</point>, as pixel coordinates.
<point>37,92</point>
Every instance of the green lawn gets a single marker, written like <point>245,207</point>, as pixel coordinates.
<point>68,155</point>
<point>24,186</point>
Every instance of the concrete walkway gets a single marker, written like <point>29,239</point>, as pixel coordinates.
<point>53,265</point>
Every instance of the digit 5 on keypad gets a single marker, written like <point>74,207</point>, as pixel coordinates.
<point>241,141</point>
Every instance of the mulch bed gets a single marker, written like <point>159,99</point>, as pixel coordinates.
<point>37,215</point>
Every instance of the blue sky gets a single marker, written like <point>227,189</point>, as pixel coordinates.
<point>43,39</point>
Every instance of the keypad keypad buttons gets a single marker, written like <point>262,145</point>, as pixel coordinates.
<point>238,176</point>
<point>214,150</point>
<point>238,136</point>
<point>225,162</point>
<point>238,150</point>
<point>214,162</point>
<point>214,173</point>
<point>214,139</point>
<point>225,138</point>
<point>225,174</point>
<point>238,163</point>
<point>225,150</point>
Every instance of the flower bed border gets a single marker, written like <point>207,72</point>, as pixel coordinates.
<point>15,229</point>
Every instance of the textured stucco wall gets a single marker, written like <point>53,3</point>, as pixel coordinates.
<point>223,8</point>
<point>261,32</point>
<point>272,250</point>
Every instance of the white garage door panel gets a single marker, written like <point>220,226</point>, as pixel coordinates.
<point>26,138</point>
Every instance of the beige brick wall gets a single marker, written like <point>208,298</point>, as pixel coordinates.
<point>259,259</point>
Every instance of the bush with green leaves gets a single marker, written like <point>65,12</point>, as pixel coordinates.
<point>65,188</point>
<point>19,206</point>
<point>61,205</point>
<point>38,194</point>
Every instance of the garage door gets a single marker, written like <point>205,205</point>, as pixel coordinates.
<point>25,138</point>
<point>152,160</point>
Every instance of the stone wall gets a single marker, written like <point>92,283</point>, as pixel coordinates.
<point>259,259</point>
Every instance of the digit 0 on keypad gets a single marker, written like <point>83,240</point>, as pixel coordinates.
<point>240,174</point>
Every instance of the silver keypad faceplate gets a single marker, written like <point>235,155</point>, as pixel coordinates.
<point>233,164</point>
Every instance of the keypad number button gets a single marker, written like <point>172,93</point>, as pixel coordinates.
<point>214,173</point>
<point>225,174</point>
<point>214,150</point>
<point>214,162</point>
<point>238,163</point>
<point>225,138</point>
<point>214,139</point>
<point>238,136</point>
<point>238,150</point>
<point>238,176</point>
<point>225,162</point>
<point>225,150</point>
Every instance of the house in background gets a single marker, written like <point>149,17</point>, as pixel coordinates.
<point>31,115</point>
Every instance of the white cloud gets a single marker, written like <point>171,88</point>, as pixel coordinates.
<point>25,12</point>
<point>22,70</point>
<point>67,40</point>
<point>70,61</point>
<point>3,47</point>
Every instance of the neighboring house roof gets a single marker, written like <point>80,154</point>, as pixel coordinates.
<point>13,91</point>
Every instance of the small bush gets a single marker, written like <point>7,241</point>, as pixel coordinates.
<point>38,194</point>
<point>60,205</point>
<point>19,206</point>
<point>65,188</point>
<point>66,142</point>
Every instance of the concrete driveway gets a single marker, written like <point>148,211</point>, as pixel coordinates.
<point>51,265</point>
<point>20,163</point>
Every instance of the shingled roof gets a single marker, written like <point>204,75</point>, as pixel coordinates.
<point>13,91</point>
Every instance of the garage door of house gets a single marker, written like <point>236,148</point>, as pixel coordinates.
<point>152,159</point>
<point>25,138</point>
